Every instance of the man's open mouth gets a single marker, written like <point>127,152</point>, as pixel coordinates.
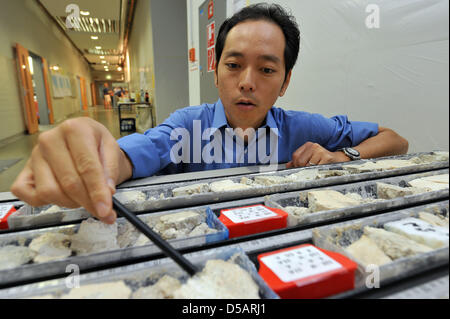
<point>245,104</point>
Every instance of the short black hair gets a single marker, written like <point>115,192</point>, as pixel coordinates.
<point>272,13</point>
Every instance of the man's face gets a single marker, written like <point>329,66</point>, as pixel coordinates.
<point>251,72</point>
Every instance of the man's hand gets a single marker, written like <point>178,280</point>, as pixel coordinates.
<point>78,163</point>
<point>311,154</point>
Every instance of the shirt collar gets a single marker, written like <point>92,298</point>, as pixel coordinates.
<point>220,120</point>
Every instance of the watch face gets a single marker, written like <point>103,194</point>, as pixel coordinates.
<point>352,151</point>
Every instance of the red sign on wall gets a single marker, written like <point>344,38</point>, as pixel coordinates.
<point>210,34</point>
<point>210,46</point>
<point>211,59</point>
<point>210,9</point>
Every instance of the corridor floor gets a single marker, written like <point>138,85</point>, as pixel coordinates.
<point>22,145</point>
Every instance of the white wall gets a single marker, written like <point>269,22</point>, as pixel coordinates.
<point>396,75</point>
<point>158,55</point>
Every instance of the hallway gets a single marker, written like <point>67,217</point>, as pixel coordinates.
<point>20,147</point>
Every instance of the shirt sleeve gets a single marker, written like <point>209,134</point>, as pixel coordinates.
<point>150,152</point>
<point>345,133</point>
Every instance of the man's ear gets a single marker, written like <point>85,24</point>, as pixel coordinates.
<point>286,84</point>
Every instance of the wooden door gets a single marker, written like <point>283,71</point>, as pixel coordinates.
<point>83,93</point>
<point>51,117</point>
<point>93,94</point>
<point>27,89</point>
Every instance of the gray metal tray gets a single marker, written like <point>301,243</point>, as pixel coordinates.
<point>142,275</point>
<point>365,189</point>
<point>209,197</point>
<point>32,271</point>
<point>28,216</point>
<point>338,236</point>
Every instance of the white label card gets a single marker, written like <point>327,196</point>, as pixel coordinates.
<point>300,263</point>
<point>4,210</point>
<point>246,214</point>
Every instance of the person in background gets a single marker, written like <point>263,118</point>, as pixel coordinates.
<point>106,96</point>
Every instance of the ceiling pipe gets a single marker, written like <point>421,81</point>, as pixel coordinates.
<point>129,24</point>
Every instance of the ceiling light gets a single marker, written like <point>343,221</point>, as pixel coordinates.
<point>119,69</point>
<point>85,13</point>
<point>108,77</point>
<point>94,37</point>
<point>102,57</point>
<point>98,47</point>
<point>55,68</point>
<point>103,61</point>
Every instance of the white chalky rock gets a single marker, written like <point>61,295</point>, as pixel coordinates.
<point>431,183</point>
<point>227,186</point>
<point>183,220</point>
<point>246,181</point>
<point>304,175</point>
<point>51,209</point>
<point>436,220</point>
<point>367,252</point>
<point>14,256</point>
<point>163,289</point>
<point>191,189</point>
<point>131,197</point>
<point>219,280</point>
<point>388,191</point>
<point>430,158</point>
<point>331,173</point>
<point>94,236</point>
<point>328,200</point>
<point>381,165</point>
<point>420,231</point>
<point>295,214</point>
<point>394,245</point>
<point>50,246</point>
<point>202,229</point>
<point>271,180</point>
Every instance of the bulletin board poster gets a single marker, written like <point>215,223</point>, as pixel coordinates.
<point>211,46</point>
<point>61,86</point>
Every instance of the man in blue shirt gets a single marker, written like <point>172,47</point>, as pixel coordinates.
<point>79,163</point>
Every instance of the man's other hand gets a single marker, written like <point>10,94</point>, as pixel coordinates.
<point>311,154</point>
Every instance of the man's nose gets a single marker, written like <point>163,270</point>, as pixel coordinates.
<point>247,81</point>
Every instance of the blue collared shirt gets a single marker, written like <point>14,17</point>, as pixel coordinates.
<point>206,143</point>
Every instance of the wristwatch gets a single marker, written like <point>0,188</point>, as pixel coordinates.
<point>351,152</point>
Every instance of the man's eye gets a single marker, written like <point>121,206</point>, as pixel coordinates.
<point>268,70</point>
<point>232,65</point>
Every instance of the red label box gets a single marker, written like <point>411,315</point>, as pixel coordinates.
<point>252,220</point>
<point>5,212</point>
<point>307,272</point>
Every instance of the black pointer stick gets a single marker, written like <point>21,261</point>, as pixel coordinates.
<point>155,238</point>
